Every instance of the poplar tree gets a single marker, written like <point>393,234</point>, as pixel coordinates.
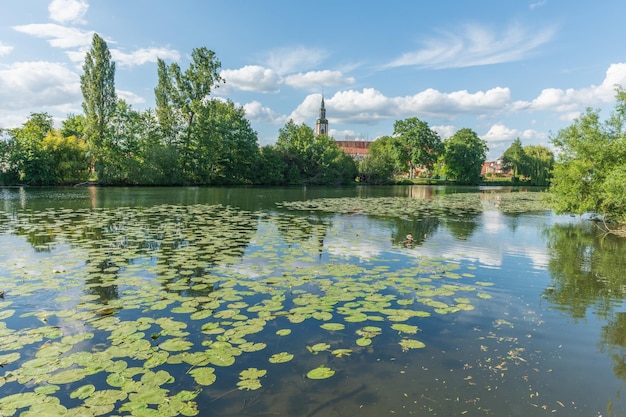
<point>99,99</point>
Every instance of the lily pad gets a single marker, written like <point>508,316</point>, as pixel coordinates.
<point>321,372</point>
<point>203,376</point>
<point>281,357</point>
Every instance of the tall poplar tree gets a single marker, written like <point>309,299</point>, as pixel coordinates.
<point>99,99</point>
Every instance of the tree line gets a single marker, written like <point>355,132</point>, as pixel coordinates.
<point>193,138</point>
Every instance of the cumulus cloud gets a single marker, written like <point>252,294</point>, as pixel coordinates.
<point>252,78</point>
<point>142,56</point>
<point>289,60</point>
<point>316,79</point>
<point>444,131</point>
<point>68,11</point>
<point>499,137</point>
<point>256,112</point>
<point>58,36</point>
<point>130,97</point>
<point>572,101</point>
<point>39,85</point>
<point>474,46</point>
<point>5,49</point>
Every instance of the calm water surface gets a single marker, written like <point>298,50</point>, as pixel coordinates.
<point>179,301</point>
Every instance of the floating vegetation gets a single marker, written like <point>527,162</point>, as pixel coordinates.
<point>445,204</point>
<point>139,310</point>
<point>321,372</point>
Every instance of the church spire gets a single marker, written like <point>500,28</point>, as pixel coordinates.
<point>321,124</point>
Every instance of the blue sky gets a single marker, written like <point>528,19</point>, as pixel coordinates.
<point>505,69</point>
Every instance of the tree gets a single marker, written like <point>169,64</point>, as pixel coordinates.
<point>29,157</point>
<point>313,159</point>
<point>515,159</point>
<point>163,94</point>
<point>464,156</point>
<point>378,166</point>
<point>590,172</point>
<point>99,99</point>
<point>68,158</point>
<point>422,144</point>
<point>540,161</point>
<point>227,149</point>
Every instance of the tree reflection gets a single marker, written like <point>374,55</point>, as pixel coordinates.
<point>462,228</point>
<point>587,270</point>
<point>419,229</point>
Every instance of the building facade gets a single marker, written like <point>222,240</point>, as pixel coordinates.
<point>357,149</point>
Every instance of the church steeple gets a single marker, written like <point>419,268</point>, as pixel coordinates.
<point>321,124</point>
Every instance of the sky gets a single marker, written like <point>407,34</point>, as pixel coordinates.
<point>505,69</point>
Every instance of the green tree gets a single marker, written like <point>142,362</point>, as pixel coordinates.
<point>379,165</point>
<point>99,99</point>
<point>30,158</point>
<point>515,159</point>
<point>68,158</point>
<point>163,94</point>
<point>271,168</point>
<point>422,144</point>
<point>540,162</point>
<point>226,145</point>
<point>189,93</point>
<point>73,125</point>
<point>589,174</point>
<point>313,159</point>
<point>464,156</point>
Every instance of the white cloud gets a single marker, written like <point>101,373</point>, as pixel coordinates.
<point>39,86</point>
<point>130,97</point>
<point>317,79</point>
<point>572,101</point>
<point>58,36</point>
<point>499,137</point>
<point>538,4</point>
<point>68,11</point>
<point>252,78</point>
<point>474,46</point>
<point>5,49</point>
<point>285,60</point>
<point>256,112</point>
<point>444,132</point>
<point>142,56</point>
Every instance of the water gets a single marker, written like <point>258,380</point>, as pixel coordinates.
<point>126,293</point>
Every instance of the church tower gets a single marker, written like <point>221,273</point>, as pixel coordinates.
<point>321,124</point>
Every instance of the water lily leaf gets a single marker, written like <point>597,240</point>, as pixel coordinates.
<point>333,326</point>
<point>105,397</point>
<point>281,357</point>
<point>203,376</point>
<point>318,347</point>
<point>176,344</point>
<point>363,341</point>
<point>341,352</point>
<point>283,332</point>
<point>249,384</point>
<point>67,376</point>
<point>321,372</point>
<point>9,358</point>
<point>47,389</point>
<point>411,344</point>
<point>252,373</point>
<point>83,392</point>
<point>405,328</point>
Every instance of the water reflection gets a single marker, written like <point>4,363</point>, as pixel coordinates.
<point>161,260</point>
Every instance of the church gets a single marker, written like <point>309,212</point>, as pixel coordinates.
<point>355,148</point>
